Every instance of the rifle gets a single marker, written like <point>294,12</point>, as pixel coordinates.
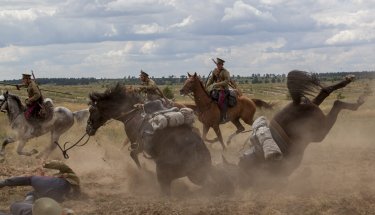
<point>15,85</point>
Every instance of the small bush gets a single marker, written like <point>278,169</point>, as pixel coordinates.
<point>167,91</point>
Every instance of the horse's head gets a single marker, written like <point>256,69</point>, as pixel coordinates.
<point>109,105</point>
<point>190,84</point>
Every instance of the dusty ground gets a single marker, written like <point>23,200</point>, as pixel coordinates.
<point>336,177</point>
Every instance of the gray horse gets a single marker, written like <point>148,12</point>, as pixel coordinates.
<point>61,121</point>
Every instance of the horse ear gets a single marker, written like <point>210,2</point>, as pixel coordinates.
<point>93,97</point>
<point>189,75</point>
<point>195,74</point>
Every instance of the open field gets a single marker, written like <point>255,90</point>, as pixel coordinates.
<point>337,176</point>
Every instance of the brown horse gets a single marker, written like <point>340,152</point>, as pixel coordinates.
<point>209,113</point>
<point>297,125</point>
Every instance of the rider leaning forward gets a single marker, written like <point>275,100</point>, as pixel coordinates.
<point>219,82</point>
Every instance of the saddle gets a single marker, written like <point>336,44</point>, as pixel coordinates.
<point>231,96</point>
<point>43,112</point>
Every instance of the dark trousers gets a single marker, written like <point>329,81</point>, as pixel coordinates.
<point>223,104</point>
<point>44,186</point>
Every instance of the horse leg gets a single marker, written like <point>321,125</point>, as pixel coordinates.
<point>47,151</point>
<point>239,127</point>
<point>164,180</point>
<point>326,91</point>
<point>21,145</point>
<point>332,115</point>
<point>204,135</point>
<point>6,142</point>
<point>134,155</point>
<point>219,136</point>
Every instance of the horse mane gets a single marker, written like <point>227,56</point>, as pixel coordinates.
<point>301,83</point>
<point>203,87</point>
<point>117,92</point>
<point>18,101</point>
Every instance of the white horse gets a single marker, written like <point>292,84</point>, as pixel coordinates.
<point>62,120</point>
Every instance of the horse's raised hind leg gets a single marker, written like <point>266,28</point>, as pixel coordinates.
<point>239,127</point>
<point>333,113</point>
<point>21,145</point>
<point>326,91</point>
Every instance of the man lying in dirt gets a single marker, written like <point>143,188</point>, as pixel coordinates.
<point>60,186</point>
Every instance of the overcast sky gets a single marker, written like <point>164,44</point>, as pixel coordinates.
<point>117,38</point>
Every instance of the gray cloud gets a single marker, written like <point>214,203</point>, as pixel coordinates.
<point>116,38</point>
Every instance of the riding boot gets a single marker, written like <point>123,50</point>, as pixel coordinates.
<point>16,181</point>
<point>2,183</point>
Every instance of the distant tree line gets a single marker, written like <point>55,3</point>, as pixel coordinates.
<point>173,80</point>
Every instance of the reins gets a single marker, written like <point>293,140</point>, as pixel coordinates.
<point>64,149</point>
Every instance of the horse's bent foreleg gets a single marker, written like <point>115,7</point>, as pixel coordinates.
<point>326,91</point>
<point>6,142</point>
<point>239,127</point>
<point>134,155</point>
<point>21,145</point>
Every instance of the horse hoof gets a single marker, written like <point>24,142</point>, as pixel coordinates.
<point>33,152</point>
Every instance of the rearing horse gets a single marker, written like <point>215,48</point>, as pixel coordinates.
<point>61,121</point>
<point>208,111</point>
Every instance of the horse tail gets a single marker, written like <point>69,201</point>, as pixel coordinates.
<point>81,115</point>
<point>262,104</point>
<point>301,83</point>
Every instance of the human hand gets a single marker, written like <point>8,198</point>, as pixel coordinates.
<point>27,102</point>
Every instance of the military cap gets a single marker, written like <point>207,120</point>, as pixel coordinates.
<point>26,76</point>
<point>143,73</point>
<point>220,61</point>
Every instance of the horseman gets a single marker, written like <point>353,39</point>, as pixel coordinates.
<point>35,99</point>
<point>151,90</point>
<point>218,86</point>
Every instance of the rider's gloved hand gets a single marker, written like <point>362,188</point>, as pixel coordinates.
<point>27,102</point>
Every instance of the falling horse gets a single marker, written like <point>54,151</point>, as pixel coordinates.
<point>209,113</point>
<point>177,151</point>
<point>297,125</point>
<point>61,120</point>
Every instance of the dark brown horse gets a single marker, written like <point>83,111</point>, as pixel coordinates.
<point>297,125</point>
<point>209,113</point>
<point>177,151</point>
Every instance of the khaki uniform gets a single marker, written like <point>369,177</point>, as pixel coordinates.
<point>64,171</point>
<point>150,88</point>
<point>33,92</point>
<point>219,80</point>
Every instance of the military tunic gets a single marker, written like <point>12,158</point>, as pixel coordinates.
<point>150,88</point>
<point>33,92</point>
<point>219,79</point>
